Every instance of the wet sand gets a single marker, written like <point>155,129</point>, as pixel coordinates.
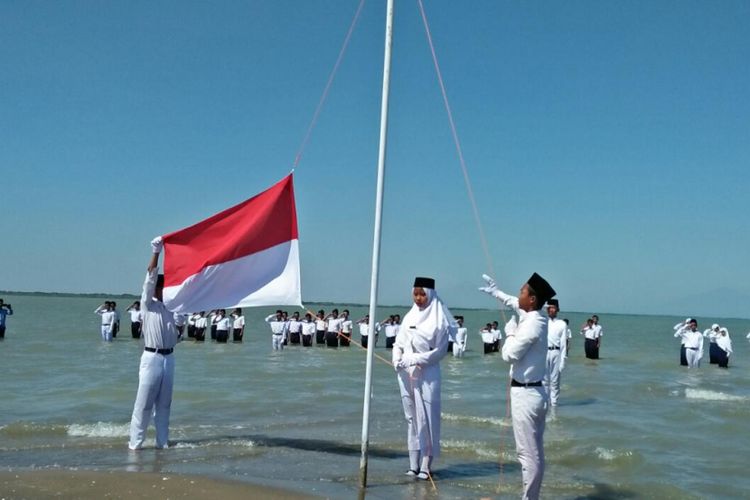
<point>80,484</point>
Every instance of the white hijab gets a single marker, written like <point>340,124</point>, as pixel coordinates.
<point>421,329</point>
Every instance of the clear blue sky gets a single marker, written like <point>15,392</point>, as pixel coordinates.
<point>608,143</point>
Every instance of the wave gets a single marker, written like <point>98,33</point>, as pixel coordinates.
<point>707,395</point>
<point>99,429</point>
<point>610,455</point>
<point>242,443</point>
<point>474,448</point>
<point>474,420</point>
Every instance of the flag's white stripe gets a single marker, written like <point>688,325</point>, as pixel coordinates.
<point>267,278</point>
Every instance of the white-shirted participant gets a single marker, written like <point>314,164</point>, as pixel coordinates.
<point>364,330</point>
<point>525,349</point>
<point>462,335</point>
<point>108,320</point>
<point>333,329</point>
<point>320,327</point>
<point>488,338</point>
<point>497,335</point>
<point>693,340</point>
<point>200,327</point>
<point>156,373</point>
<point>346,328</point>
<point>295,329</point>
<point>420,345</point>
<point>592,333</point>
<point>391,330</point>
<point>278,330</point>
<point>556,350</point>
<point>136,318</point>
<point>238,325</point>
<point>724,344</point>
<point>712,334</point>
<point>223,323</point>
<point>308,330</point>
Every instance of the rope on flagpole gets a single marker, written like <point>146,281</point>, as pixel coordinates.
<point>323,97</point>
<point>472,200</point>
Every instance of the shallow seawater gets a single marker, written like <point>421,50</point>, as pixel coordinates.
<point>633,424</point>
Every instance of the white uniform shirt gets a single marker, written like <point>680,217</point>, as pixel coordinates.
<point>690,339</point>
<point>589,332</point>
<point>525,346</point>
<point>556,333</point>
<point>159,330</point>
<point>179,319</point>
<point>334,324</point>
<point>724,343</point>
<point>201,322</point>
<point>320,324</point>
<point>496,334</point>
<point>711,335</point>
<point>108,317</point>
<point>222,323</point>
<point>192,319</point>
<point>364,328</point>
<point>308,327</point>
<point>136,316</point>
<point>278,327</point>
<point>391,330</point>
<point>295,326</point>
<point>597,331</point>
<point>346,326</point>
<point>487,336</point>
<point>239,322</point>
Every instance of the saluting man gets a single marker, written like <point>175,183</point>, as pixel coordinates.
<point>525,348</point>
<point>556,350</point>
<point>156,374</point>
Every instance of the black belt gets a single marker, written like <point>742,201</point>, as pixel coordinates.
<point>555,348</point>
<point>515,383</point>
<point>692,348</point>
<point>163,352</point>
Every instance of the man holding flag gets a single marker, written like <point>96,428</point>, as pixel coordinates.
<point>156,374</point>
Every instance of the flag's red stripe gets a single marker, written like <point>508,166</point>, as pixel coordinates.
<point>261,222</point>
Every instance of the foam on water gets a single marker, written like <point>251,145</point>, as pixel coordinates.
<point>471,419</point>
<point>610,455</point>
<point>99,429</point>
<point>708,395</point>
<point>243,443</point>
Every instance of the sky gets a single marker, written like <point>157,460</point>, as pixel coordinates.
<point>607,143</point>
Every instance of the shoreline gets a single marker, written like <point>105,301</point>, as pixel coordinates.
<point>85,484</point>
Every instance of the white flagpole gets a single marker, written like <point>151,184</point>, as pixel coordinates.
<point>376,245</point>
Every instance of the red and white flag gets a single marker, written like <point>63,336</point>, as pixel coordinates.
<point>247,255</point>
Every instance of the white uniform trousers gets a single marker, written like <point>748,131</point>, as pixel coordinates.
<point>552,375</point>
<point>420,396</point>
<point>277,342</point>
<point>528,410</point>
<point>107,333</point>
<point>155,380</point>
<point>693,357</point>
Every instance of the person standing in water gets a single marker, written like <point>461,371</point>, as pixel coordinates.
<point>420,344</point>
<point>525,348</point>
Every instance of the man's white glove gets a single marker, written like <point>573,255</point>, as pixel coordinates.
<point>406,361</point>
<point>157,244</point>
<point>491,288</point>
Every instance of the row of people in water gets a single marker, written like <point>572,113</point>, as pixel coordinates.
<point>220,325</point>
<point>691,343</point>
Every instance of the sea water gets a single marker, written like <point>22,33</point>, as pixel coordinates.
<point>633,424</point>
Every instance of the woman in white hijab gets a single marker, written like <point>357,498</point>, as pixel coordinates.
<point>420,345</point>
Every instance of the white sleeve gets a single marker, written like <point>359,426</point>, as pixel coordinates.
<point>149,286</point>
